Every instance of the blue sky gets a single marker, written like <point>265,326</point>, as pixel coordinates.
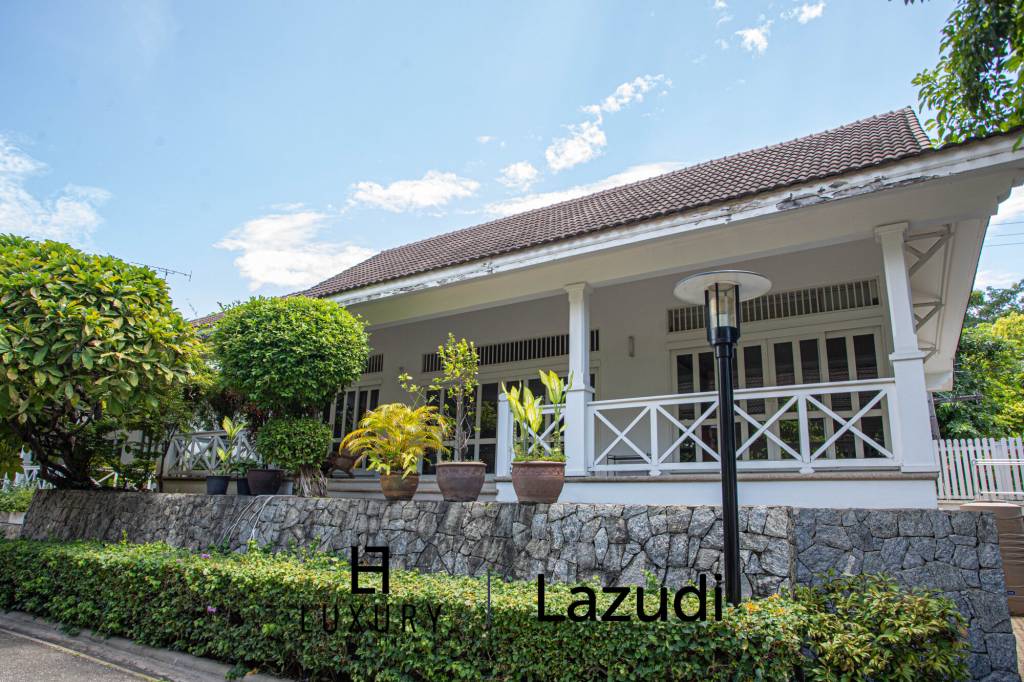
<point>266,146</point>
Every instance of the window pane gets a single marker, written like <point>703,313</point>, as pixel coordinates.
<point>488,410</point>
<point>839,370</point>
<point>684,382</point>
<point>487,456</point>
<point>785,374</point>
<point>350,412</point>
<point>810,364</point>
<point>865,356</point>
<point>753,370</point>
<point>707,371</point>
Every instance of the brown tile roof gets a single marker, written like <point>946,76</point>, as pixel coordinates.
<point>869,142</point>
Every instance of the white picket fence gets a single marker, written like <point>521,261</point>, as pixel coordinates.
<point>981,468</point>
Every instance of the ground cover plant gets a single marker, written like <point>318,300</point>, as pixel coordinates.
<point>265,611</point>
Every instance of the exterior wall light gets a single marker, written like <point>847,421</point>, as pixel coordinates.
<point>722,292</point>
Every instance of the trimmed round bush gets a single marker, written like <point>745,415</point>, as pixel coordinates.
<point>289,355</point>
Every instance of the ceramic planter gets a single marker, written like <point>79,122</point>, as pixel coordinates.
<point>264,481</point>
<point>217,485</point>
<point>460,481</point>
<point>395,487</point>
<point>538,481</point>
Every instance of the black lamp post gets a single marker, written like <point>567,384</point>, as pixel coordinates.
<point>721,293</point>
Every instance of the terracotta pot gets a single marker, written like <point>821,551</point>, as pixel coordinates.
<point>264,481</point>
<point>395,487</point>
<point>460,481</point>
<point>538,481</point>
<point>217,485</point>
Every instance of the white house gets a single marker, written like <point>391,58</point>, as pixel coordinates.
<point>871,239</point>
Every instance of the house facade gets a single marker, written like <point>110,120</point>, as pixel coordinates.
<point>870,238</point>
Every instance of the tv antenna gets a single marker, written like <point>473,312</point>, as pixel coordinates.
<point>166,272</point>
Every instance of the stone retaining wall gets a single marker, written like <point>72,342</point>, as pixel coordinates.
<point>954,552</point>
<point>10,524</point>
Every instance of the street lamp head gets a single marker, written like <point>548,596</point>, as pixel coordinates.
<point>722,292</point>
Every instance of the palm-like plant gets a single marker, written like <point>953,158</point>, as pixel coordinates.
<point>396,436</point>
<point>226,461</point>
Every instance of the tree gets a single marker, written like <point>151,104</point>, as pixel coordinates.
<point>87,343</point>
<point>977,87</point>
<point>987,400</point>
<point>289,356</point>
<point>993,303</point>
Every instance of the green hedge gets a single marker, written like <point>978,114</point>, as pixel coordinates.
<point>245,609</point>
<point>16,498</point>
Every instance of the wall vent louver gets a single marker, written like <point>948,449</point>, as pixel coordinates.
<point>518,351</point>
<point>374,364</point>
<point>777,306</point>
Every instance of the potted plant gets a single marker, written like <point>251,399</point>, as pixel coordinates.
<point>459,479</point>
<point>393,438</point>
<point>218,479</point>
<point>295,444</point>
<point>538,472</point>
<point>228,463</point>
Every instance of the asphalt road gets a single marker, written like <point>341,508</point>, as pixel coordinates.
<point>27,659</point>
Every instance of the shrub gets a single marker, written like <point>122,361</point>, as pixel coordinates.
<point>289,355</point>
<point>295,444</point>
<point>245,609</point>
<point>864,627</point>
<point>87,344</point>
<point>17,498</point>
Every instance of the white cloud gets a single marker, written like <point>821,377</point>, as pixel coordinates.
<point>805,12</point>
<point>721,4</point>
<point>484,139</point>
<point>722,43</point>
<point>585,142</point>
<point>995,278</point>
<point>699,59</point>
<point>281,249</point>
<point>519,175</point>
<point>587,139</point>
<point>539,200</point>
<point>71,215</point>
<point>755,38</point>
<point>433,190</point>
<point>629,92</point>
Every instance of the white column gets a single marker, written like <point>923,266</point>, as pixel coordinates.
<point>503,445</point>
<point>910,425</point>
<point>579,393</point>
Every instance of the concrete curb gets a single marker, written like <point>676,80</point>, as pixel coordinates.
<point>163,664</point>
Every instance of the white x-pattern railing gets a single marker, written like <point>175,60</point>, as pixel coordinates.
<point>197,451</point>
<point>652,432</point>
